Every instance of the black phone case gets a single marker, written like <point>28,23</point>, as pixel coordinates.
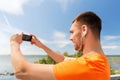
<point>26,37</point>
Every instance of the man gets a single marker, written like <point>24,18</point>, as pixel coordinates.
<point>85,35</point>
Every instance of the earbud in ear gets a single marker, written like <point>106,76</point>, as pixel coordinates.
<point>83,33</point>
<point>84,30</point>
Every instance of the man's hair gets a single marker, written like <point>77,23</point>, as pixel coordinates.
<point>91,20</point>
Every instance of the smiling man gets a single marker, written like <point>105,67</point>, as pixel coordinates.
<point>85,35</point>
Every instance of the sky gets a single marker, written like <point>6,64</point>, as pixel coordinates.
<point>50,21</point>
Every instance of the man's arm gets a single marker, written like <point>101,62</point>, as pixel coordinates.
<point>53,54</point>
<point>25,70</point>
<point>56,55</point>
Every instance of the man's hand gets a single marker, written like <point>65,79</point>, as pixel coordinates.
<point>36,41</point>
<point>17,38</point>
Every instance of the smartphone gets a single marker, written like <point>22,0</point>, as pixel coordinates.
<point>26,37</point>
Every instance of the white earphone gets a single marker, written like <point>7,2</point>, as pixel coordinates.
<point>83,33</point>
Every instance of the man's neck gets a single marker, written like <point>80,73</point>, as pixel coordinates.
<point>92,46</point>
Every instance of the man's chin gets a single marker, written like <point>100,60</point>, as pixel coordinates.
<point>78,49</point>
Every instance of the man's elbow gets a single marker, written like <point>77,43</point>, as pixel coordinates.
<point>22,75</point>
<point>22,72</point>
<point>59,60</point>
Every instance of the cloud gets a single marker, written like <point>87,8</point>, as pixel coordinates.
<point>12,6</point>
<point>6,30</point>
<point>111,47</point>
<point>61,43</point>
<point>64,3</point>
<point>5,33</point>
<point>111,44</point>
<point>60,39</point>
<point>35,2</point>
<point>16,6</point>
<point>4,40</point>
<point>59,35</point>
<point>110,37</point>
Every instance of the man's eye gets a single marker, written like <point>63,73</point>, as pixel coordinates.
<point>71,33</point>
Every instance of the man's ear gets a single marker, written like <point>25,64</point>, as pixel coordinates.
<point>84,30</point>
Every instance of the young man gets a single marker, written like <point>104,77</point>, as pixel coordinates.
<point>85,35</point>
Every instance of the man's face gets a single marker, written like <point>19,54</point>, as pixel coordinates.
<point>75,36</point>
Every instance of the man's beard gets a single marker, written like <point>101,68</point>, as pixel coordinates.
<point>80,46</point>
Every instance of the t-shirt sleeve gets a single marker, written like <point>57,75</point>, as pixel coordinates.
<point>68,69</point>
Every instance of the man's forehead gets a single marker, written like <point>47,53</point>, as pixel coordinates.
<point>76,25</point>
<point>72,26</point>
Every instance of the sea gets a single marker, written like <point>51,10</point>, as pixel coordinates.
<point>6,66</point>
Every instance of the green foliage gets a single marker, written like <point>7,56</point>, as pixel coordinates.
<point>112,71</point>
<point>49,60</point>
<point>78,54</point>
<point>65,53</point>
<point>46,60</point>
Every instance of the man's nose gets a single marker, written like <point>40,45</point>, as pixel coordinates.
<point>71,38</point>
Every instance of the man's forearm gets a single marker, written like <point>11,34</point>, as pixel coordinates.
<point>18,60</point>
<point>53,54</point>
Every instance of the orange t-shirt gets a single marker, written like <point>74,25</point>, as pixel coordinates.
<point>90,67</point>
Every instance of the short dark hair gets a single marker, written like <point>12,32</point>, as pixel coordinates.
<point>92,21</point>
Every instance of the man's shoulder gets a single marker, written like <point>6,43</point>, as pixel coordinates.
<point>95,57</point>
